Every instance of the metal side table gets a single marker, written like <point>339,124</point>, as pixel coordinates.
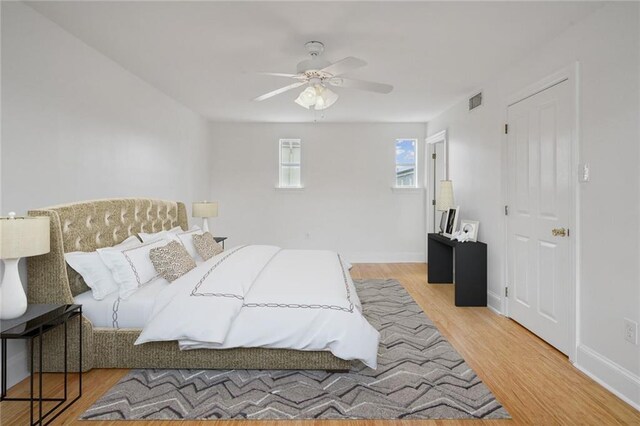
<point>38,320</point>
<point>220,240</point>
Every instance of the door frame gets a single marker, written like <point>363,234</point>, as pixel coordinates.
<point>570,74</point>
<point>440,137</point>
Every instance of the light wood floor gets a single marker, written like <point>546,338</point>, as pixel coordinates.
<point>535,383</point>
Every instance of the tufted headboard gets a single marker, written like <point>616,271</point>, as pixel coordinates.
<point>87,226</point>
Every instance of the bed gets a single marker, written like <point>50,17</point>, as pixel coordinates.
<point>108,341</point>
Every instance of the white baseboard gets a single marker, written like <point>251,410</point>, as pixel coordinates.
<point>494,302</point>
<point>613,377</point>
<point>393,257</point>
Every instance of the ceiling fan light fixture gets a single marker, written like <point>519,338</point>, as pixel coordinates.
<point>307,97</point>
<point>318,73</point>
<point>301,102</point>
<point>317,96</point>
<point>326,97</point>
<point>320,104</point>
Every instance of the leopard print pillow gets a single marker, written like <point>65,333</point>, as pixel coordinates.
<point>206,245</point>
<point>171,261</point>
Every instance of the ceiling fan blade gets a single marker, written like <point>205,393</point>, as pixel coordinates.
<point>280,90</point>
<point>361,84</point>
<point>345,65</point>
<point>279,74</point>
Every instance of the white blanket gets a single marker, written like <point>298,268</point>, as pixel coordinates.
<point>264,296</point>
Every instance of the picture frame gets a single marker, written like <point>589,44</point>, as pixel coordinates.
<point>451,222</point>
<point>470,227</point>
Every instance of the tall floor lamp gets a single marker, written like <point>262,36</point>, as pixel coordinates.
<point>205,210</point>
<point>444,201</point>
<point>19,237</point>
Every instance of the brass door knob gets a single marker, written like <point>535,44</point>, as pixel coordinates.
<point>559,232</point>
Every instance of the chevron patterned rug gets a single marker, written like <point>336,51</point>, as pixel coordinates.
<point>419,376</point>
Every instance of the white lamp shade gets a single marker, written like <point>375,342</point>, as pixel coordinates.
<point>444,201</point>
<point>307,98</point>
<point>317,96</point>
<point>205,209</point>
<point>24,236</point>
<point>326,98</point>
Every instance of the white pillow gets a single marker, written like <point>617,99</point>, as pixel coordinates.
<point>131,267</point>
<point>94,271</point>
<point>186,238</point>
<point>167,235</point>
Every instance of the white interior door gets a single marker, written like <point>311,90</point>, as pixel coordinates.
<point>435,171</point>
<point>438,150</point>
<point>538,254</point>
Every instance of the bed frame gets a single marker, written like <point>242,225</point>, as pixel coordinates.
<point>87,226</point>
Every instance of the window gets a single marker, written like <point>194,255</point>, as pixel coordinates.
<point>406,164</point>
<point>290,163</point>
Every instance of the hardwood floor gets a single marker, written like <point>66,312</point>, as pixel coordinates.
<point>535,383</point>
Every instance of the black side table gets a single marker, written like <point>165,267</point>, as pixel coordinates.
<point>220,240</point>
<point>470,268</point>
<point>38,320</point>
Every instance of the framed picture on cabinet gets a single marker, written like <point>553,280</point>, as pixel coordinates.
<point>470,227</point>
<point>452,221</point>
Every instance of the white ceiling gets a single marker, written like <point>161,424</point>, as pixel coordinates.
<point>205,54</point>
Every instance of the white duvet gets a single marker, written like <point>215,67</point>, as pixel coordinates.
<point>264,296</point>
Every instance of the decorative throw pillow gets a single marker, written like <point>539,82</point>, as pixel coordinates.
<point>206,245</point>
<point>171,261</point>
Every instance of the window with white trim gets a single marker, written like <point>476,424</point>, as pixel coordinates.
<point>290,165</point>
<point>406,163</point>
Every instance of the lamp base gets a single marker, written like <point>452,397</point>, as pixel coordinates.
<point>205,224</point>
<point>13,301</point>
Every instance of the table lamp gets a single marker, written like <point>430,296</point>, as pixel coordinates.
<point>19,237</point>
<point>444,201</point>
<point>205,210</point>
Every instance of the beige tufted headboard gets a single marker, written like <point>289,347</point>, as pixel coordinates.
<point>87,226</point>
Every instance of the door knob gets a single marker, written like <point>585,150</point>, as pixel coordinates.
<point>559,232</point>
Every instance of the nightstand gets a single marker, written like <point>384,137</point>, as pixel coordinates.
<point>469,263</point>
<point>220,240</point>
<point>38,320</point>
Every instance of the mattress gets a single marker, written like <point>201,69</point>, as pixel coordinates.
<point>112,312</point>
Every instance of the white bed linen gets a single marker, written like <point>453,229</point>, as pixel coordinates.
<point>268,297</point>
<point>94,271</point>
<point>113,312</point>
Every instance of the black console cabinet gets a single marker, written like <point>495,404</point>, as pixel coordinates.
<point>470,266</point>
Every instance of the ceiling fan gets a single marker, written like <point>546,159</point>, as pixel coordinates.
<point>319,74</point>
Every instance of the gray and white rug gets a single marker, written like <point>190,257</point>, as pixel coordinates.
<point>419,376</point>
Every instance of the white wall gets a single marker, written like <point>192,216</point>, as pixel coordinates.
<point>347,203</point>
<point>607,47</point>
<point>77,126</point>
